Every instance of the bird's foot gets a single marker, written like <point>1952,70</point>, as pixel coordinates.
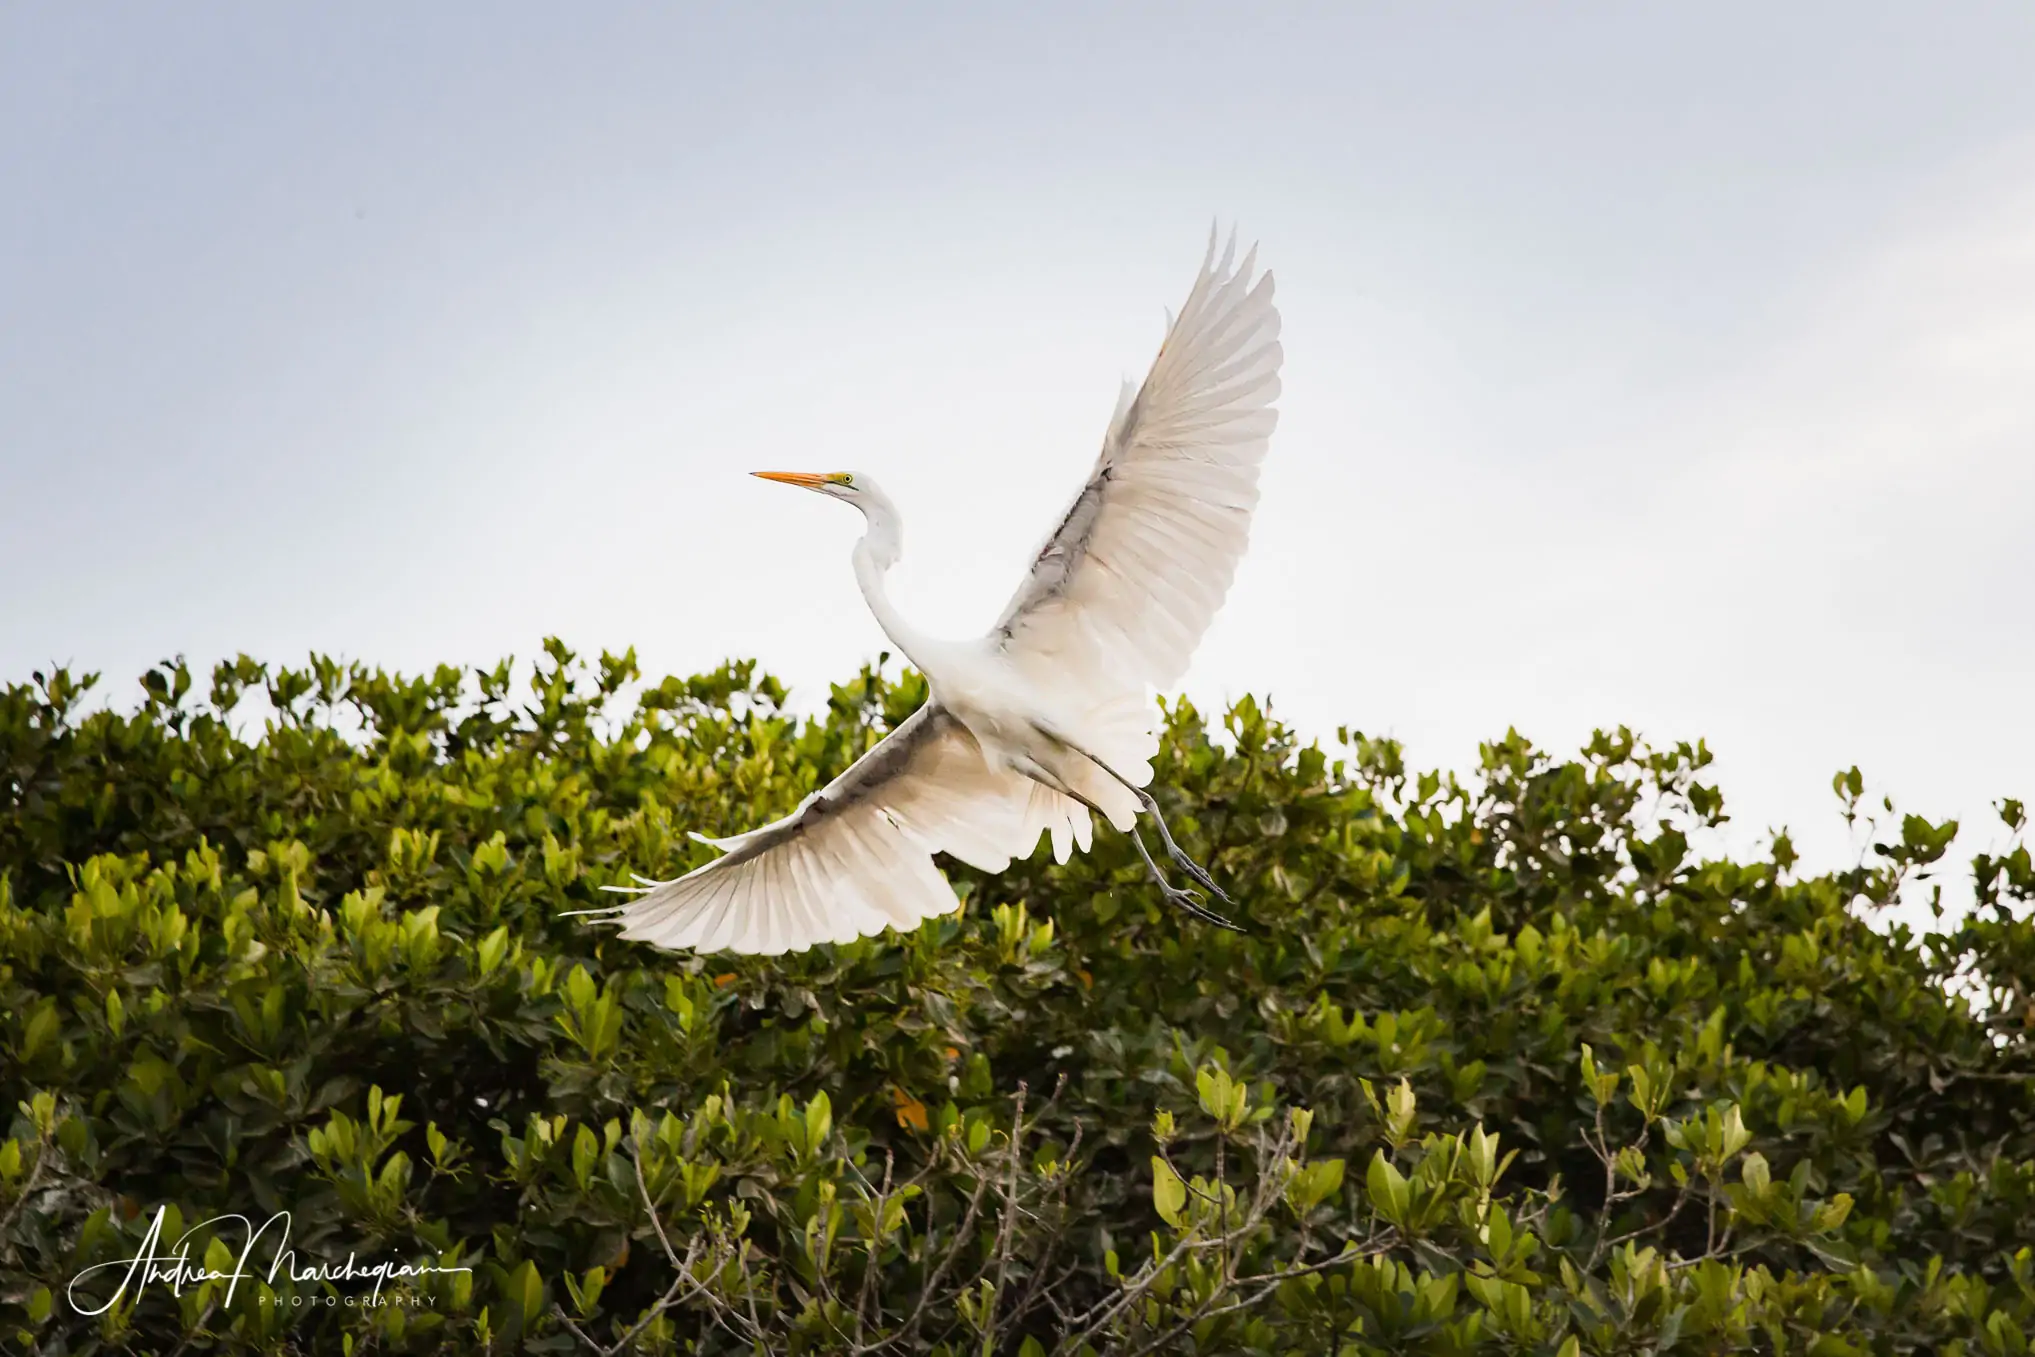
<point>1179,897</point>
<point>1200,875</point>
<point>1179,855</point>
<point>1193,903</point>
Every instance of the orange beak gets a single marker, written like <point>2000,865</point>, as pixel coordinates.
<point>805,480</point>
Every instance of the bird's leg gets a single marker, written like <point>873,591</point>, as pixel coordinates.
<point>1174,850</point>
<point>1184,899</point>
<point>1174,895</point>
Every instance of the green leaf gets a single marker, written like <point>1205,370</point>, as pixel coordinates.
<point>489,952</point>
<point>1169,1194</point>
<point>528,1289</point>
<point>579,990</point>
<point>819,1122</point>
<point>1735,1136</point>
<point>1314,1183</point>
<point>1391,1196</point>
<point>1221,1097</point>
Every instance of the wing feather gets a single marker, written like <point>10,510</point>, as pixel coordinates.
<point>857,856</point>
<point>788,869</point>
<point>702,924</point>
<point>807,917</point>
<point>1122,591</point>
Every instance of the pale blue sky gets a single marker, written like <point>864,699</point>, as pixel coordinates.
<point>1668,365</point>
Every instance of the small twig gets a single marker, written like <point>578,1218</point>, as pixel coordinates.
<point>749,1293</point>
<point>28,1188</point>
<point>1134,1291</point>
<point>1720,1252</point>
<point>1007,1226</point>
<point>1272,1281</point>
<point>189,1334</point>
<point>1382,1244</point>
<point>1261,1203</point>
<point>659,1307</point>
<point>636,1160</point>
<point>932,1284</point>
<point>1710,1238</point>
<point>1222,1198</point>
<point>564,1319</point>
<point>1212,1198</point>
<point>1599,1148</point>
<point>1681,1200</point>
<point>1056,1238</point>
<point>875,1248</point>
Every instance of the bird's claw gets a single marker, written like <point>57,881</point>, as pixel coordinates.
<point>1194,903</point>
<point>1203,879</point>
<point>1181,860</point>
<point>1190,901</point>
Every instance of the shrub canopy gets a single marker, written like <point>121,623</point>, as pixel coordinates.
<point>1502,1064</point>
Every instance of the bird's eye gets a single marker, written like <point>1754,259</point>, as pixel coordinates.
<point>847,479</point>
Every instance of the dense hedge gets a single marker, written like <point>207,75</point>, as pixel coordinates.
<point>1501,1065</point>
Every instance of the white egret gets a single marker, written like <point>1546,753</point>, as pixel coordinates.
<point>1049,717</point>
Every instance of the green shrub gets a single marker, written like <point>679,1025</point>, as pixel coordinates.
<point>1501,1065</point>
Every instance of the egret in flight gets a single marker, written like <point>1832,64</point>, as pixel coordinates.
<point>1048,719</point>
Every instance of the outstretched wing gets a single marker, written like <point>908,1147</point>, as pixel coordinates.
<point>857,856</point>
<point>1123,590</point>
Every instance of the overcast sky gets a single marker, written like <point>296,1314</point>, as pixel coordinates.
<point>1663,365</point>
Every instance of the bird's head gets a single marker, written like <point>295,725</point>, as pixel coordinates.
<point>885,539</point>
<point>846,485</point>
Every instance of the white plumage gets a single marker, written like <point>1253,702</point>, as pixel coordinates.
<point>1049,716</point>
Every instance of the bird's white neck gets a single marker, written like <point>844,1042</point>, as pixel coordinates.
<point>875,554</point>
